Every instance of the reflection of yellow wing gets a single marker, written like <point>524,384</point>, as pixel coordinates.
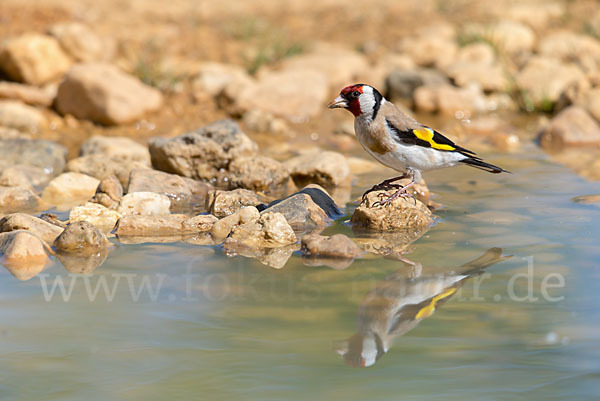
<point>429,309</point>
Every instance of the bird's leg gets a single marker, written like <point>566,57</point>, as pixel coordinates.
<point>402,192</point>
<point>385,184</point>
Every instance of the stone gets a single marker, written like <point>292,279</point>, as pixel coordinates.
<point>402,213</point>
<point>104,94</point>
<point>16,199</point>
<point>401,84</point>
<point>323,168</point>
<point>17,177</point>
<point>591,101</point>
<point>144,204</point>
<point>95,214</point>
<point>336,246</point>
<point>261,121</point>
<point>14,114</point>
<point>224,203</point>
<point>204,153</point>
<point>506,36</point>
<point>69,189</point>
<point>258,173</point>
<point>28,94</point>
<point>20,221</point>
<point>23,253</point>
<point>538,15</point>
<point>82,238</point>
<point>490,77</point>
<point>270,230</point>
<point>109,192</point>
<point>171,225</point>
<point>429,50</point>
<point>49,156</point>
<point>570,47</point>
<point>280,93</point>
<point>101,167</point>
<point>571,127</point>
<point>52,219</point>
<point>222,228</point>
<point>171,185</point>
<point>34,59</point>
<point>449,100</point>
<point>211,78</point>
<point>116,147</point>
<point>543,80</point>
<point>81,43</point>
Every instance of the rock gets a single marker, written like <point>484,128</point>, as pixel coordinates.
<point>537,15</point>
<point>224,203</point>
<point>15,199</point>
<point>174,224</point>
<point>104,94</point>
<point>23,253</point>
<point>429,50</point>
<point>69,189</point>
<point>509,37</point>
<point>403,213</point>
<point>171,185</point>
<point>258,173</point>
<point>116,147</point>
<point>82,238</point>
<point>401,84</point>
<point>11,133</point>
<point>34,59</point>
<point>201,154</point>
<point>323,168</point>
<point>450,100</point>
<point>336,246</point>
<point>144,204</point>
<point>83,264</point>
<point>81,43</point>
<point>52,219</point>
<point>95,214</point>
<point>28,94</point>
<point>569,47</point>
<point>544,80</point>
<point>49,156</point>
<point>571,127</point>
<point>591,101</point>
<point>307,210</point>
<point>109,192</point>
<point>19,221</point>
<point>18,177</point>
<point>476,64</point>
<point>212,78</point>
<point>101,167</point>
<point>222,228</point>
<point>261,121</point>
<point>19,116</point>
<point>270,230</point>
<point>280,93</point>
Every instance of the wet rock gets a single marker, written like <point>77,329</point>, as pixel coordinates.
<point>402,213</point>
<point>222,228</point>
<point>82,238</point>
<point>258,173</point>
<point>69,189</point>
<point>104,94</point>
<point>401,84</point>
<point>116,147</point>
<point>34,59</point>
<point>323,168</point>
<point>23,253</point>
<point>95,214</point>
<point>171,225</point>
<point>144,204</point>
<point>19,221</point>
<point>224,203</point>
<point>101,167</point>
<point>109,192</point>
<point>307,210</point>
<point>28,94</point>
<point>15,199</point>
<point>571,127</point>
<point>270,230</point>
<point>449,100</point>
<point>336,246</point>
<point>260,121</point>
<point>201,154</point>
<point>83,264</point>
<point>212,78</point>
<point>280,93</point>
<point>171,185</point>
<point>19,116</point>
<point>81,43</point>
<point>544,80</point>
<point>49,156</point>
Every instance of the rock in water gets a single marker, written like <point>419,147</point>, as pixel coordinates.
<point>15,199</point>
<point>49,156</point>
<point>145,204</point>
<point>23,253</point>
<point>82,238</point>
<point>571,127</point>
<point>109,192</point>
<point>19,221</point>
<point>224,203</point>
<point>402,213</point>
<point>70,189</point>
<point>96,215</point>
<point>336,246</point>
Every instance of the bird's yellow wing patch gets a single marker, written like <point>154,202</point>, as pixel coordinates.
<point>429,309</point>
<point>427,135</point>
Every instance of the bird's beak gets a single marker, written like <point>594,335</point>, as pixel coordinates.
<point>337,103</point>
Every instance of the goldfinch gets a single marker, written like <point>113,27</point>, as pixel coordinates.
<point>400,142</point>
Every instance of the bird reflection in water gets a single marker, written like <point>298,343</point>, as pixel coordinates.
<point>400,302</point>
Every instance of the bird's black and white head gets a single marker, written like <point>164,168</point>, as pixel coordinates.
<point>360,99</point>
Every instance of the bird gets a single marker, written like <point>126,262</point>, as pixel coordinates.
<point>400,142</point>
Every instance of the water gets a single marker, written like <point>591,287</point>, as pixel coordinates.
<point>225,328</point>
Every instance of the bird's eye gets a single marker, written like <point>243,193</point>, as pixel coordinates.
<point>356,93</point>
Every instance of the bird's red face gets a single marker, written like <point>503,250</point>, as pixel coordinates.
<point>349,99</point>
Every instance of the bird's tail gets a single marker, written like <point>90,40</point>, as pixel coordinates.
<point>480,164</point>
